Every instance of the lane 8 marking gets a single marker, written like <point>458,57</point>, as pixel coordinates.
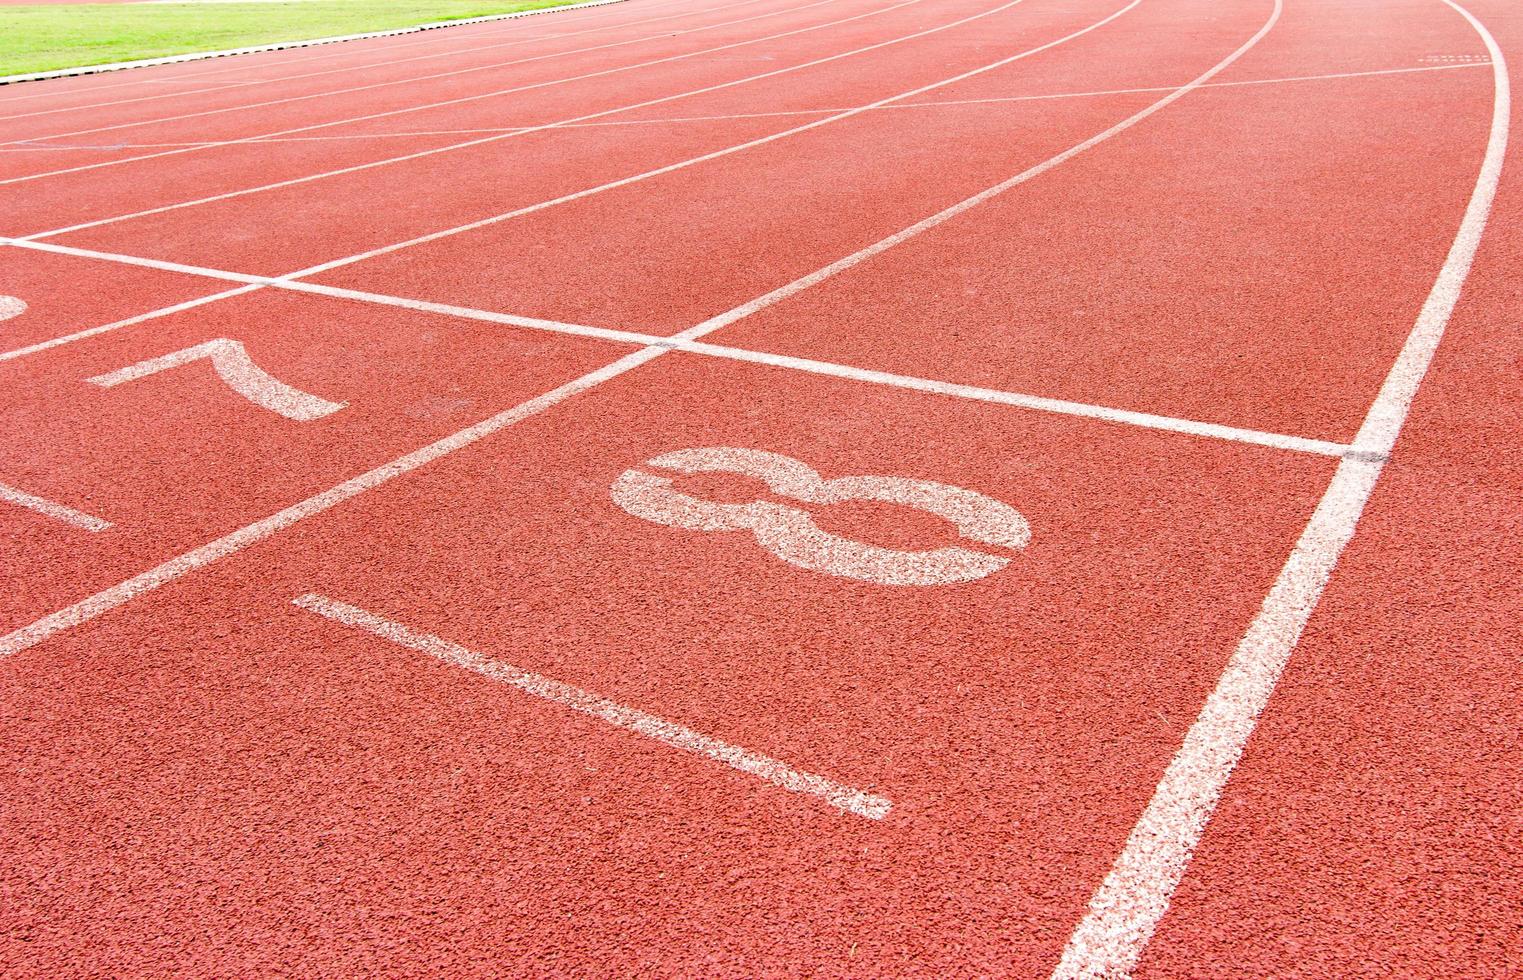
<point>791,533</point>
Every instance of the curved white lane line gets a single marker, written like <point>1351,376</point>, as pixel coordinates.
<point>213,551</point>
<point>737,148</point>
<point>444,42</point>
<point>403,81</point>
<point>451,52</point>
<point>1129,904</point>
<point>454,146</point>
<point>202,55</point>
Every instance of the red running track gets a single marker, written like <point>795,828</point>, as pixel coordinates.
<point>850,488</point>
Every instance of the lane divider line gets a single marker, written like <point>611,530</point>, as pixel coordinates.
<point>38,76</point>
<point>28,146</point>
<point>371,86</point>
<point>484,95</point>
<point>1135,895</point>
<point>101,602</point>
<point>729,150</point>
<point>57,511</point>
<point>855,801</point>
<point>214,86</point>
<point>441,43</point>
<point>1211,430</point>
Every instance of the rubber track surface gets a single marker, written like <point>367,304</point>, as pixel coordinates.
<point>736,487</point>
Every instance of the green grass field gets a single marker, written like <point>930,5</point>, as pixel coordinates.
<point>51,36</point>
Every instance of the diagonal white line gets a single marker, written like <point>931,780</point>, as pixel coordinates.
<point>477,97</point>
<point>778,773</point>
<point>390,63</point>
<point>737,148</point>
<point>108,599</point>
<point>363,88</point>
<point>284,45</point>
<point>596,115</point>
<point>58,512</point>
<point>1134,896</point>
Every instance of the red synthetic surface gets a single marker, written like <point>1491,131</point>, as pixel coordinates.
<point>207,779</point>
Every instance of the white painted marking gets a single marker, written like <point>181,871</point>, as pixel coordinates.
<point>11,307</point>
<point>234,366</point>
<point>471,98</point>
<point>856,801</point>
<point>496,66</point>
<point>736,148</point>
<point>202,55</point>
<point>1129,904</point>
<point>473,48</point>
<point>857,258</point>
<point>792,535</point>
<point>182,565</point>
<point>11,355</point>
<point>176,568</point>
<point>58,512</point>
<point>446,43</point>
<point>669,120</point>
<point>1209,430</point>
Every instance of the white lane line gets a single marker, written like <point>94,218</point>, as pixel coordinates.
<point>932,104</point>
<point>446,43</point>
<point>108,599</point>
<point>202,55</point>
<point>226,85</point>
<point>856,258</point>
<point>727,151</point>
<point>358,88</point>
<point>182,565</point>
<point>1129,904</point>
<point>856,801</point>
<point>58,512</point>
<point>1210,430</point>
<point>11,355</point>
<point>492,94</point>
<point>596,115</point>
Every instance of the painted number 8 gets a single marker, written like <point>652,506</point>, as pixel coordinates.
<point>791,534</point>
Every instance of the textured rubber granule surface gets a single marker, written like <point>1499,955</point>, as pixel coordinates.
<point>359,623</point>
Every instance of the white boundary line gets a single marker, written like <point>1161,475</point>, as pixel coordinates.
<point>413,80</point>
<point>443,43</point>
<point>1129,904</point>
<point>203,55</point>
<point>1212,430</point>
<point>392,62</point>
<point>101,602</point>
<point>846,798</point>
<point>624,181</point>
<point>476,142</point>
<point>933,104</point>
<point>56,511</point>
<point>738,147</point>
